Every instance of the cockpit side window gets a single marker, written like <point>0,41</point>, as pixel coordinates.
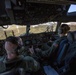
<point>12,30</point>
<point>45,27</point>
<point>72,26</point>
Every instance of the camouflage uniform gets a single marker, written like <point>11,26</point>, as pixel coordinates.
<point>27,63</point>
<point>23,51</point>
<point>53,48</point>
<point>45,46</point>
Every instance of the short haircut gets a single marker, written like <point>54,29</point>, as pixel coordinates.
<point>64,28</point>
<point>12,39</point>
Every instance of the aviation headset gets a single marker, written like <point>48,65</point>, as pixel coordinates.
<point>63,29</point>
<point>60,31</point>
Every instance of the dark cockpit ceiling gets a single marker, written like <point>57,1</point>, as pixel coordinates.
<point>52,1</point>
<point>30,12</point>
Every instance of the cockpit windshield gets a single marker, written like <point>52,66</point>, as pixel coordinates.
<point>12,30</point>
<point>45,27</point>
<point>72,25</point>
<point>18,30</point>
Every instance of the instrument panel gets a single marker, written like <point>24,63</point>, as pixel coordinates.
<point>36,39</point>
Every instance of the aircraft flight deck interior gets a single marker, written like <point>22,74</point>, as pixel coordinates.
<point>54,52</point>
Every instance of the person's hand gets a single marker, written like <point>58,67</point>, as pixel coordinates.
<point>31,50</point>
<point>50,41</point>
<point>37,49</point>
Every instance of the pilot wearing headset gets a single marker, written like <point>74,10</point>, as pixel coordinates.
<point>62,31</point>
<point>13,60</point>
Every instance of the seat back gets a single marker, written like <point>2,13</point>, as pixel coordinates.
<point>64,46</point>
<point>71,52</point>
<point>62,50</point>
<point>72,49</point>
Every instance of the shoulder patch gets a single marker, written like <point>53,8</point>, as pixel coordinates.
<point>55,44</point>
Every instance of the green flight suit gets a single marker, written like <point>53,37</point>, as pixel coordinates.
<point>53,48</point>
<point>27,63</point>
<point>25,52</point>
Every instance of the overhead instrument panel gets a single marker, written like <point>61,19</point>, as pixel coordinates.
<point>31,12</point>
<point>53,1</point>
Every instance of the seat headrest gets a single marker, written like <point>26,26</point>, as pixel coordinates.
<point>71,36</point>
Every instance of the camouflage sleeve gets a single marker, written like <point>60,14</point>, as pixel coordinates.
<point>45,46</point>
<point>48,52</point>
<point>31,64</point>
<point>23,51</point>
